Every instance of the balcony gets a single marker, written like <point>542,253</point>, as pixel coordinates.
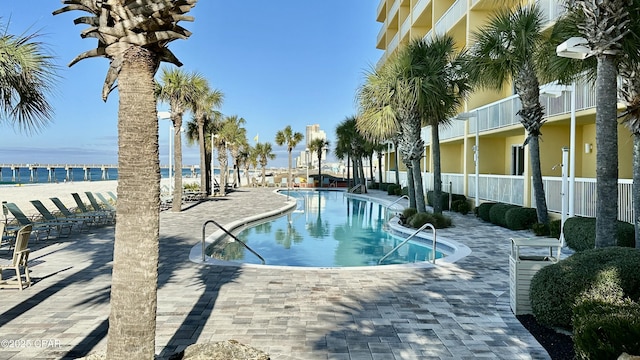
<point>451,17</point>
<point>420,7</point>
<point>405,27</point>
<point>551,9</point>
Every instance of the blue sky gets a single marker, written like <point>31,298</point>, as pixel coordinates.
<point>278,63</point>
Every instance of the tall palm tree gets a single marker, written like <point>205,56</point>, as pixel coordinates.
<point>134,38</point>
<point>246,158</point>
<point>236,137</point>
<point>350,142</point>
<point>317,146</point>
<point>28,77</point>
<point>264,153</point>
<point>505,49</point>
<point>203,106</point>
<point>290,139</point>
<point>380,150</point>
<point>180,90</point>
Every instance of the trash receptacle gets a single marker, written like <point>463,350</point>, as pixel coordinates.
<point>526,259</point>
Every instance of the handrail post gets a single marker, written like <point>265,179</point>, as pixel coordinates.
<point>433,252</point>
<point>393,203</point>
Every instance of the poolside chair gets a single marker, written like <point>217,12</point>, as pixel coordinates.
<point>101,217</point>
<point>39,226</point>
<point>113,196</point>
<point>19,260</point>
<point>105,202</point>
<point>91,219</point>
<point>48,216</point>
<point>111,212</point>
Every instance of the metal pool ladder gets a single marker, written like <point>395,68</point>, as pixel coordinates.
<point>433,252</point>
<point>204,226</point>
<point>393,203</point>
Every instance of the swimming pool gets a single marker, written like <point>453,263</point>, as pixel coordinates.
<point>325,229</point>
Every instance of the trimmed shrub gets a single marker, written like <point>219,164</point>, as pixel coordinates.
<point>580,233</point>
<point>605,329</point>
<point>441,221</point>
<point>484,209</point>
<point>554,228</point>
<point>464,208</point>
<point>409,212</point>
<point>556,288</point>
<point>540,229</point>
<point>374,185</point>
<point>392,189</point>
<point>498,212</point>
<point>384,186</point>
<point>419,219</point>
<point>444,199</point>
<point>520,218</point>
<point>403,191</point>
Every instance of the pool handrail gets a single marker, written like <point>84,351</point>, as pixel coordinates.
<point>393,203</point>
<point>204,226</point>
<point>433,251</point>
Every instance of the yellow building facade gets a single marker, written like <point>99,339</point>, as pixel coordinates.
<point>503,163</point>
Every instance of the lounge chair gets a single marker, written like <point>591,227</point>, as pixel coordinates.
<point>105,202</point>
<point>101,217</point>
<point>91,219</point>
<point>19,260</point>
<point>40,226</point>
<point>48,216</point>
<point>113,196</point>
<point>111,212</point>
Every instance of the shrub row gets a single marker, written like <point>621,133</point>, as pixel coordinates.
<point>444,199</point>
<point>580,233</point>
<point>414,219</point>
<point>595,292</point>
<point>510,216</point>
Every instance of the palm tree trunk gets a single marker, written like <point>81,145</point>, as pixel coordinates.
<point>410,186</point>
<point>132,320</point>
<point>395,154</point>
<point>421,204</point>
<point>538,186</point>
<point>203,160</point>
<point>224,170</point>
<point>289,179</point>
<point>380,169</point>
<point>636,186</point>
<point>208,172</point>
<point>176,205</point>
<point>606,152</point>
<point>437,170</point>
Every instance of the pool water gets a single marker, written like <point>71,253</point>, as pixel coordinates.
<point>327,229</point>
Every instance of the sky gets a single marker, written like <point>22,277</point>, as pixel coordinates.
<point>278,63</point>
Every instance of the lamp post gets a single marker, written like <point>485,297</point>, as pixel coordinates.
<point>306,159</point>
<point>476,150</point>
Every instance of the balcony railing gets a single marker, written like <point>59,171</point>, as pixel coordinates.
<point>451,17</point>
<point>405,27</point>
<point>551,9</point>
<point>420,6</point>
<point>585,197</point>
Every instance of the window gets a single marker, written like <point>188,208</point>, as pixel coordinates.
<point>517,159</point>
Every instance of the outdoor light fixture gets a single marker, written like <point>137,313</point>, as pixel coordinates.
<point>574,48</point>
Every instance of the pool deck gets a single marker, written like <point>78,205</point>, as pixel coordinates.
<point>450,311</point>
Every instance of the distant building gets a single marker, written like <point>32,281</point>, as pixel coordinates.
<point>312,132</point>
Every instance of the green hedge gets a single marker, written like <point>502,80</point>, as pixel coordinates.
<point>393,189</point>
<point>439,221</point>
<point>484,209</point>
<point>605,329</point>
<point>461,206</point>
<point>444,199</point>
<point>520,218</point>
<point>556,288</point>
<point>580,233</point>
<point>498,212</point>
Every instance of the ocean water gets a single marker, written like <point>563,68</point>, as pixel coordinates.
<point>41,175</point>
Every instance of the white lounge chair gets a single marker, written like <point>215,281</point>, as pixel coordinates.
<point>19,260</point>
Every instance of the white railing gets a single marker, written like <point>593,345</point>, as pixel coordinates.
<point>406,25</point>
<point>501,188</point>
<point>451,17</point>
<point>451,130</point>
<point>394,9</point>
<point>585,197</point>
<point>393,44</point>
<point>585,99</point>
<point>429,35</point>
<point>419,7</point>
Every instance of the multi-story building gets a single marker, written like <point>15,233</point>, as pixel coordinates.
<point>503,171</point>
<point>312,132</point>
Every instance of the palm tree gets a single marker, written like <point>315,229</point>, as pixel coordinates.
<point>203,106</point>
<point>380,150</point>
<point>264,153</point>
<point>350,145</point>
<point>317,146</point>
<point>28,76</point>
<point>134,38</point>
<point>605,25</point>
<point>236,137</point>
<point>246,158</point>
<point>291,139</point>
<point>504,49</point>
<point>180,90</point>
